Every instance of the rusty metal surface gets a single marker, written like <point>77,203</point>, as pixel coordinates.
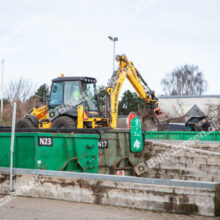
<point>130,166</point>
<point>153,120</point>
<point>118,149</point>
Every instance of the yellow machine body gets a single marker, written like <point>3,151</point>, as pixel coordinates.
<point>126,70</point>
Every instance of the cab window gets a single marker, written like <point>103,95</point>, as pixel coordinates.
<point>72,94</point>
<point>56,97</point>
<point>90,96</point>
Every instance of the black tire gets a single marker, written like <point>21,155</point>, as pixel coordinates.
<point>64,122</point>
<point>25,123</point>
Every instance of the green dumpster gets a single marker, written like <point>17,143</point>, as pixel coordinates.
<point>183,135</point>
<point>116,156</point>
<point>66,152</point>
<point>24,150</point>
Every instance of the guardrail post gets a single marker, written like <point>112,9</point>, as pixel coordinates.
<point>12,146</point>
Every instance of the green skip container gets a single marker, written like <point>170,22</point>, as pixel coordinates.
<point>49,151</point>
<point>183,135</point>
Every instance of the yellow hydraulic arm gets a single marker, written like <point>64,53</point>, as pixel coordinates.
<point>127,70</point>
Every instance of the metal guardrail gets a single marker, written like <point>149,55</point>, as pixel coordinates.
<point>179,183</point>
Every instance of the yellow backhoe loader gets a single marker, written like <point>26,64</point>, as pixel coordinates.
<point>73,103</point>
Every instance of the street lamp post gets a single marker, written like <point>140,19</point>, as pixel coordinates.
<point>113,39</point>
<point>2,96</point>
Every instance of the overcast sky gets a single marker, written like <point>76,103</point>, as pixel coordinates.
<point>40,39</point>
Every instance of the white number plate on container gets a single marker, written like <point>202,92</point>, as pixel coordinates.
<point>45,141</point>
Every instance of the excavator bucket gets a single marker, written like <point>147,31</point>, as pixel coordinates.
<point>153,120</point>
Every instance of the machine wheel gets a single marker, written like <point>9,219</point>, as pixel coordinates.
<point>25,123</point>
<point>64,122</point>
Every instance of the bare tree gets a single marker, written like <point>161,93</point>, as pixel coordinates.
<point>184,80</point>
<point>212,111</point>
<point>218,118</point>
<point>21,90</point>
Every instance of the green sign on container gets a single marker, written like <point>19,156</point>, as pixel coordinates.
<point>136,135</point>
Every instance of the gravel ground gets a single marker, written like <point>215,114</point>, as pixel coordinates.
<point>34,208</point>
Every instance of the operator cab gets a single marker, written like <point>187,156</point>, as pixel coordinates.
<point>74,91</point>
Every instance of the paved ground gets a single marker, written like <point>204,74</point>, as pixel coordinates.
<point>32,208</point>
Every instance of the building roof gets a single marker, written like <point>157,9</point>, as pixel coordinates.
<point>195,111</point>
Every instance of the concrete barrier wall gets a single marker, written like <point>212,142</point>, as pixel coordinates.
<point>183,197</point>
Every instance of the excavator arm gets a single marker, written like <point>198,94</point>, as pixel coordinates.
<point>152,118</point>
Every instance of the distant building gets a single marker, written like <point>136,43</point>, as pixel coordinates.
<point>195,111</point>
<point>179,106</point>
